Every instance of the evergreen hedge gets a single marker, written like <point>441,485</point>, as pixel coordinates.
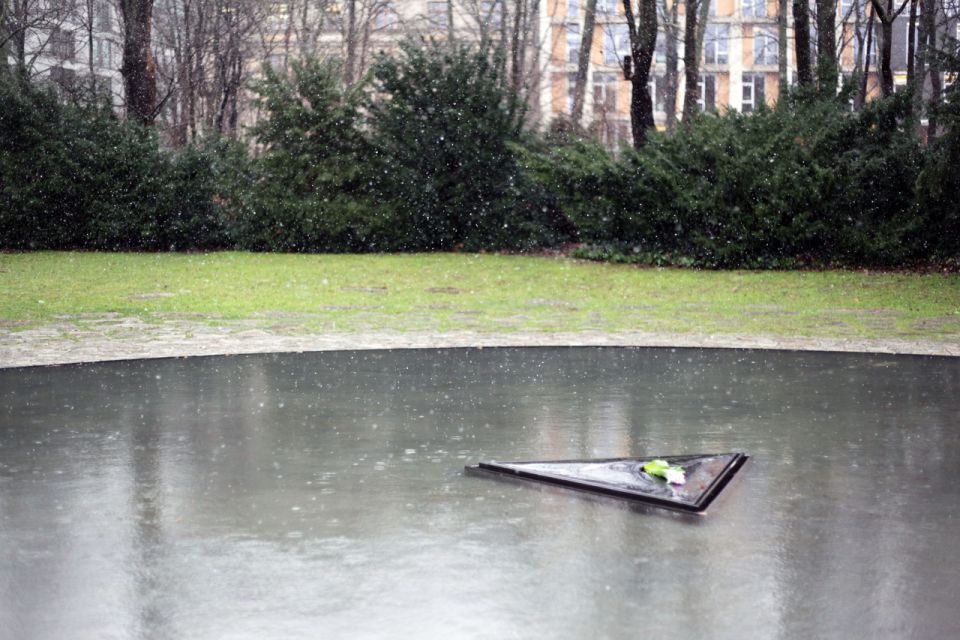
<point>435,158</point>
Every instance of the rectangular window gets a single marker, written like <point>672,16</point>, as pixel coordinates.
<point>713,8</point>
<point>573,8</point>
<point>708,93</point>
<point>765,49</point>
<point>906,37</point>
<point>278,16</point>
<point>753,92</point>
<point>101,16</point>
<point>64,79</point>
<point>573,43</point>
<point>61,42</point>
<point>332,20</point>
<point>63,7</point>
<point>660,48</point>
<point>607,7</point>
<point>658,92</point>
<point>491,12</point>
<point>103,52</point>
<point>604,93</point>
<point>716,41</point>
<point>437,15</point>
<point>872,54</point>
<point>571,87</point>
<point>755,8</point>
<point>616,43</point>
<point>387,18</point>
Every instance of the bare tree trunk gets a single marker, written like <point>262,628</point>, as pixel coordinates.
<point>886,15</point>
<point>672,75</point>
<point>911,43</point>
<point>450,31</point>
<point>784,81</point>
<point>138,68</point>
<point>583,63</point>
<point>827,71</point>
<point>350,61</point>
<point>643,40</point>
<point>691,63</point>
<point>801,31</point>
<point>928,43</point>
<point>517,44</point>
<point>862,97</point>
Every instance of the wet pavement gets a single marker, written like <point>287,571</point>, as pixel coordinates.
<point>321,495</point>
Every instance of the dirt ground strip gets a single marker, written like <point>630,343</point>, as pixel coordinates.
<point>111,337</point>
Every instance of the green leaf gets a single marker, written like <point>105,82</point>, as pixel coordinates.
<point>663,469</point>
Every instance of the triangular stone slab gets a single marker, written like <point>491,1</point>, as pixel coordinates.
<point>706,475</point>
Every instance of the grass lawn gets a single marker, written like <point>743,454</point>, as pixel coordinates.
<point>448,292</point>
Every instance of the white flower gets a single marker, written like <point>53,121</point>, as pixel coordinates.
<point>675,475</point>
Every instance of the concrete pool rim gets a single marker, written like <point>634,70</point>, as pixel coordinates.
<point>93,349</point>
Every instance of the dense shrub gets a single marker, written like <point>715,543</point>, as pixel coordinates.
<point>307,191</point>
<point>433,157</point>
<point>805,182</point>
<point>938,187</point>
<point>77,177</point>
<point>444,132</point>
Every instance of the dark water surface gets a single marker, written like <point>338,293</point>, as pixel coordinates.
<point>322,496</point>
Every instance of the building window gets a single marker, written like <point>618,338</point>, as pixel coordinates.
<point>63,7</point>
<point>277,62</point>
<point>607,7</point>
<point>61,42</point>
<point>571,87</point>
<point>756,8</point>
<point>658,92</point>
<point>660,48</point>
<point>713,8</point>
<point>604,93</point>
<point>332,20</point>
<point>64,79</point>
<point>753,92</point>
<point>616,43</point>
<point>765,50</point>
<point>858,44</point>
<point>437,15</point>
<point>278,17</point>
<point>716,41</point>
<point>387,18</point>
<point>707,101</point>
<point>102,18</point>
<point>906,37</point>
<point>573,8</point>
<point>103,52</point>
<point>492,12</point>
<point>573,43</point>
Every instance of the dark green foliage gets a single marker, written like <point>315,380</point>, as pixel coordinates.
<point>307,190</point>
<point>76,177</point>
<point>938,187</point>
<point>444,131</point>
<point>805,183</point>
<point>435,159</point>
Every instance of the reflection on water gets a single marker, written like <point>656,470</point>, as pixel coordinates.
<point>322,495</point>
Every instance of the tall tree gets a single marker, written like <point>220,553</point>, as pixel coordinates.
<point>695,23</point>
<point>801,31</point>
<point>886,14</point>
<point>670,17</point>
<point>138,68</point>
<point>642,30</point>
<point>783,80</point>
<point>583,63</point>
<point>828,73</point>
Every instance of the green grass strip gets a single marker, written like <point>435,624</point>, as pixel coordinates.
<point>486,293</point>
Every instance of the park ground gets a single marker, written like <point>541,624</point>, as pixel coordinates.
<point>79,304</point>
